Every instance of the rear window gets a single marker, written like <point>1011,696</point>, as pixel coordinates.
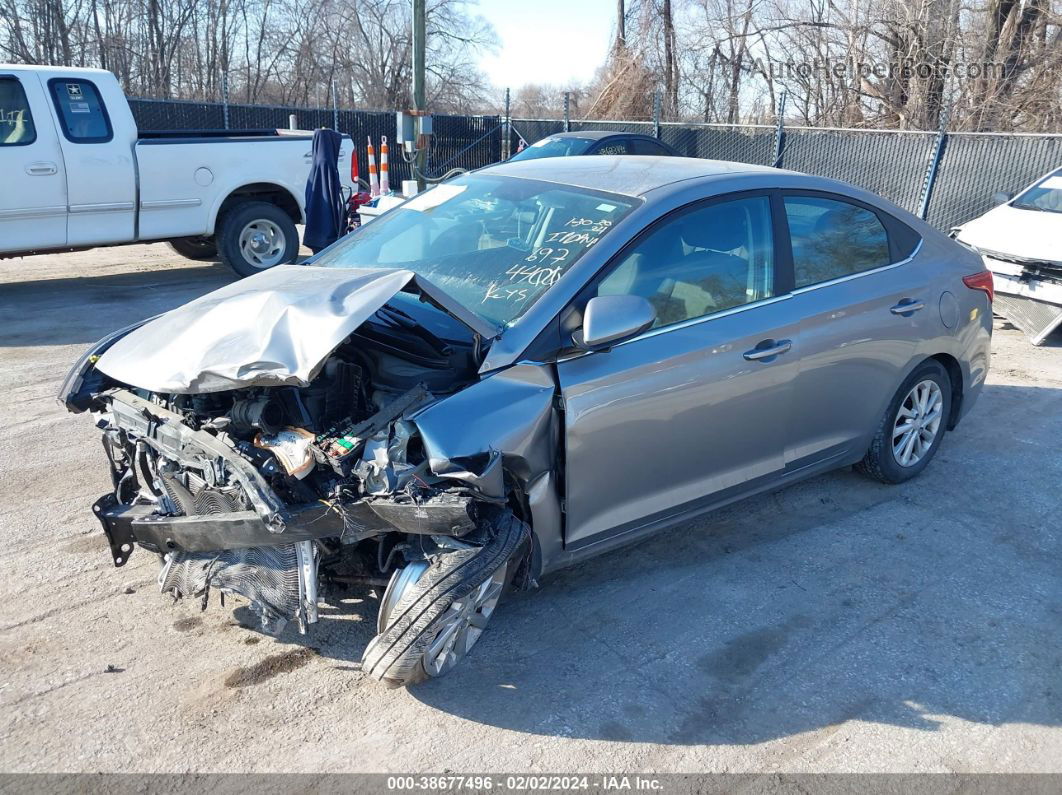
<point>16,121</point>
<point>82,115</point>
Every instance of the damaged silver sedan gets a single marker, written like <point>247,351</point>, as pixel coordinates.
<point>519,369</point>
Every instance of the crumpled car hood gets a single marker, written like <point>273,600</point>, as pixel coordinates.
<point>275,328</point>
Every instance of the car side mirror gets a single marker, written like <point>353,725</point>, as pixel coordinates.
<point>1001,197</point>
<point>612,318</point>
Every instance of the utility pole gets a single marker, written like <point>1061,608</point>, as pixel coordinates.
<point>419,100</point>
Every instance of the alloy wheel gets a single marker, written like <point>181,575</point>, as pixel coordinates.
<point>462,624</point>
<point>917,423</point>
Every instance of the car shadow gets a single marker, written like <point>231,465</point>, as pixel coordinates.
<point>346,623</point>
<point>834,600</point>
<point>85,308</point>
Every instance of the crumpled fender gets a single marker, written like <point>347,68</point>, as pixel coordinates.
<point>507,418</point>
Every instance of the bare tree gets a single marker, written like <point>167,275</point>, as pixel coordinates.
<point>286,51</point>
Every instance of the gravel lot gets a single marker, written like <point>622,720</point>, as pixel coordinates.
<point>839,625</point>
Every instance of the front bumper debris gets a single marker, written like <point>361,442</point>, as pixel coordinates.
<point>127,525</point>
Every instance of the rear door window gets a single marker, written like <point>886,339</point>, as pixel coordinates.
<point>82,114</point>
<point>832,239</point>
<point>16,121</point>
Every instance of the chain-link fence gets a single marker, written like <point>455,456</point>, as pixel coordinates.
<point>895,164</point>
<point>742,144</point>
<point>890,164</point>
<point>459,141</point>
<point>973,166</point>
<point>952,177</point>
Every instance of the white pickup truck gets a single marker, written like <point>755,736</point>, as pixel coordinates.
<point>77,173</point>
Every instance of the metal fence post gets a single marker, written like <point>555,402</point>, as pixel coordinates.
<point>335,107</point>
<point>934,164</point>
<point>567,118</point>
<point>779,131</point>
<point>656,112</point>
<point>507,135</point>
<point>225,98</point>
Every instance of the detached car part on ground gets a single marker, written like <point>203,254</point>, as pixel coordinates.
<point>1021,243</point>
<point>519,369</point>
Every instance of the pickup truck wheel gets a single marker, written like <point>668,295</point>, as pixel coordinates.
<point>197,248</point>
<point>255,236</point>
<point>432,614</point>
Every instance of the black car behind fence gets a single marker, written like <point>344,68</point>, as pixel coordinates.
<point>948,178</point>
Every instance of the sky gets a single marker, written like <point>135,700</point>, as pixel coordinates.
<point>546,41</point>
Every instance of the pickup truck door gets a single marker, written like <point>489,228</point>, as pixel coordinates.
<point>97,134</point>
<point>33,197</point>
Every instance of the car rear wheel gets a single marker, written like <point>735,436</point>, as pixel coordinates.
<point>197,248</point>
<point>911,431</point>
<point>433,613</point>
<point>256,236</point>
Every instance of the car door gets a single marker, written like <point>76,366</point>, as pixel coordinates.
<point>33,199</point>
<point>98,150</point>
<point>694,410</point>
<point>864,308</point>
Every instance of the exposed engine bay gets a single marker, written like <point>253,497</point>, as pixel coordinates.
<point>281,493</point>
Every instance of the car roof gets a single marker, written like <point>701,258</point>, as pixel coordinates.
<point>630,175</point>
<point>594,135</point>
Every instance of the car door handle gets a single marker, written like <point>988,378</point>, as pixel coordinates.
<point>908,306</point>
<point>768,349</point>
<point>41,169</point>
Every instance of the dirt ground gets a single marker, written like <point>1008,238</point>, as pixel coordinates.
<point>838,625</point>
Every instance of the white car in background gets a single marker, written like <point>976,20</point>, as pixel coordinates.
<point>1021,243</point>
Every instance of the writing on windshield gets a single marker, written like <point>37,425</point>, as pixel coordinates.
<point>495,244</point>
<point>544,266</point>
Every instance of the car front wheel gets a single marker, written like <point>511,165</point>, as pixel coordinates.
<point>913,426</point>
<point>434,611</point>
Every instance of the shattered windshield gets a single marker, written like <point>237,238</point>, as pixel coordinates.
<point>494,244</point>
<point>1047,195</point>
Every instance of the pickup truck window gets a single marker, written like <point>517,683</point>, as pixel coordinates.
<point>16,121</point>
<point>82,115</point>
